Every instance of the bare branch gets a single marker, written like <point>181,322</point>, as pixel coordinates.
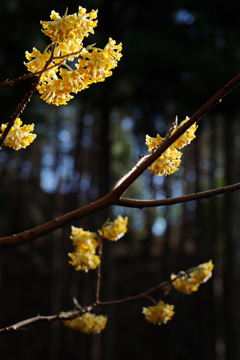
<point>177,200</point>
<point>73,314</point>
<point>21,106</point>
<point>112,198</point>
<point>21,324</point>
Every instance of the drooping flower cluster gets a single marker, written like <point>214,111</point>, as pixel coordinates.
<point>66,34</point>
<point>88,323</point>
<point>193,278</point>
<point>84,257</point>
<point>170,159</point>
<point>185,282</point>
<point>19,136</point>
<point>159,314</point>
<point>114,230</point>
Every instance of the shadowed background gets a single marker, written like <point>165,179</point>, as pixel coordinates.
<point>175,56</point>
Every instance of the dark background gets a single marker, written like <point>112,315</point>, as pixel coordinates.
<point>175,56</point>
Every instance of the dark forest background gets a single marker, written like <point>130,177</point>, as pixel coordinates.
<point>175,56</point>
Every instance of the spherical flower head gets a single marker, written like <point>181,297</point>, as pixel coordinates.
<point>88,323</point>
<point>159,314</point>
<point>79,237</point>
<point>84,261</point>
<point>37,60</point>
<point>114,230</point>
<point>84,257</point>
<point>72,80</point>
<point>53,91</point>
<point>96,64</point>
<point>186,137</point>
<point>168,162</point>
<point>202,272</point>
<point>190,281</point>
<point>19,136</point>
<point>70,27</point>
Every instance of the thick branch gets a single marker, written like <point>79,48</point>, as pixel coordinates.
<point>123,184</point>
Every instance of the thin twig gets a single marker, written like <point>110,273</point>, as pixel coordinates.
<point>21,106</point>
<point>19,109</point>
<point>177,200</point>
<point>37,73</point>
<point>21,324</point>
<point>98,282</point>
<point>73,314</point>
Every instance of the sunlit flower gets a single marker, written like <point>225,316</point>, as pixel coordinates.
<point>54,92</point>
<point>59,80</point>
<point>19,136</point>
<point>73,81</point>
<point>37,60</point>
<point>193,278</point>
<point>96,64</point>
<point>84,257</point>
<point>187,136</point>
<point>88,323</point>
<point>69,27</point>
<point>170,159</point>
<point>159,314</point>
<point>168,162</point>
<point>114,230</point>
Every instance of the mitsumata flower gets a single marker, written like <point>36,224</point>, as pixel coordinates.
<point>168,162</point>
<point>187,137</point>
<point>159,314</point>
<point>114,230</point>
<point>19,136</point>
<point>70,27</point>
<point>58,80</point>
<point>170,159</point>
<point>84,257</point>
<point>193,278</point>
<point>88,323</point>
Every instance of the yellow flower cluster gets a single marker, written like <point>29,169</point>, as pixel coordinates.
<point>88,323</point>
<point>114,230</point>
<point>159,314</point>
<point>84,257</point>
<point>193,278</point>
<point>187,137</point>
<point>66,34</point>
<point>170,159</point>
<point>19,135</point>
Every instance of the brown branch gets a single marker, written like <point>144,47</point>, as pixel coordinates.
<point>19,109</point>
<point>134,203</point>
<point>112,198</point>
<point>138,296</point>
<point>98,282</point>
<point>73,314</point>
<point>37,73</point>
<point>21,324</point>
<point>21,106</point>
<point>18,79</point>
